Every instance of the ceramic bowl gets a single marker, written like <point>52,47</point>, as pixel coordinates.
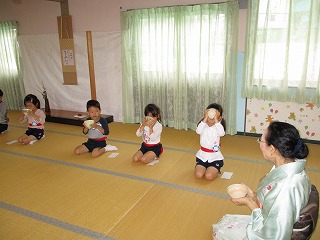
<point>212,113</point>
<point>237,191</point>
<point>148,118</point>
<point>89,123</point>
<point>26,110</point>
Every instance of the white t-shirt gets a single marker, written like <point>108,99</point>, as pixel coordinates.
<point>210,139</point>
<point>154,138</point>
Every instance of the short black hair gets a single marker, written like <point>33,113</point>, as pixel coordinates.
<point>1,93</point>
<point>93,103</point>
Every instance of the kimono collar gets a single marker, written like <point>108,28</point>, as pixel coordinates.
<point>285,170</point>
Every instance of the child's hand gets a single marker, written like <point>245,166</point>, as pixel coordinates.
<point>84,126</point>
<point>205,115</point>
<point>31,114</point>
<point>217,117</point>
<point>144,122</point>
<point>152,122</point>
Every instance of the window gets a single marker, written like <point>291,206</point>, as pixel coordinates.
<point>282,50</point>
<point>159,43</point>
<point>282,36</point>
<point>181,58</point>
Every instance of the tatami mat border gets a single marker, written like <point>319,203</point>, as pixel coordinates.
<point>118,174</point>
<point>55,222</point>
<point>96,235</point>
<point>177,149</point>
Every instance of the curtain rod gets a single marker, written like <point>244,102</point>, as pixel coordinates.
<point>179,5</point>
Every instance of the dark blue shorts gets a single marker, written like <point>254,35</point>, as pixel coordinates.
<point>36,132</point>
<point>157,149</point>
<point>92,144</point>
<point>216,164</point>
<point>3,127</point>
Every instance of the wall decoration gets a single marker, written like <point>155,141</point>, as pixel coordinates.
<point>305,117</point>
<point>66,41</point>
<point>67,57</point>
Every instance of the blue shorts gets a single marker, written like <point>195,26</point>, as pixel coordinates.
<point>36,132</point>
<point>216,164</point>
<point>3,127</point>
<point>92,144</point>
<point>157,149</point>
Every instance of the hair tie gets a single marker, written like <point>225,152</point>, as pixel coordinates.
<point>298,146</point>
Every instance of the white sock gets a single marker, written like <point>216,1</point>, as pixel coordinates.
<point>32,142</point>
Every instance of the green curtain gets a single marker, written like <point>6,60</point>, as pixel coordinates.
<point>181,58</point>
<point>282,57</point>
<point>11,81</point>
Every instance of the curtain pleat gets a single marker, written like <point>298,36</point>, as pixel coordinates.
<point>11,80</point>
<point>282,57</point>
<point>181,58</point>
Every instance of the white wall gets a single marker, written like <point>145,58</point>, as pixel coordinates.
<point>40,47</point>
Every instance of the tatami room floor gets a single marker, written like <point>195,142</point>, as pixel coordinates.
<point>46,192</point>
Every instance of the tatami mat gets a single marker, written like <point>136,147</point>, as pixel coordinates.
<point>47,192</point>
<point>17,226</point>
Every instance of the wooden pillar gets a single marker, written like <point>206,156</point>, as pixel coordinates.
<point>91,66</point>
<point>64,5</point>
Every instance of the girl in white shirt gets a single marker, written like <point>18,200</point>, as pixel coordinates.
<point>150,131</point>
<point>209,158</point>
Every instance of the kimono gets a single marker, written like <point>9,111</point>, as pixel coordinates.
<point>282,194</point>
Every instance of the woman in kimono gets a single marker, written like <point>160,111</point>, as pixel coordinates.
<point>284,191</point>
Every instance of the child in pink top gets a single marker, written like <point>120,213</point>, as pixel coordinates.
<point>150,130</point>
<point>35,118</point>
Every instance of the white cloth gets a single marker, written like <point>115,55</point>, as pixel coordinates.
<point>231,227</point>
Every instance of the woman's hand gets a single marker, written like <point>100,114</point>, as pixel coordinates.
<point>240,201</point>
<point>250,200</point>
<point>250,193</point>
